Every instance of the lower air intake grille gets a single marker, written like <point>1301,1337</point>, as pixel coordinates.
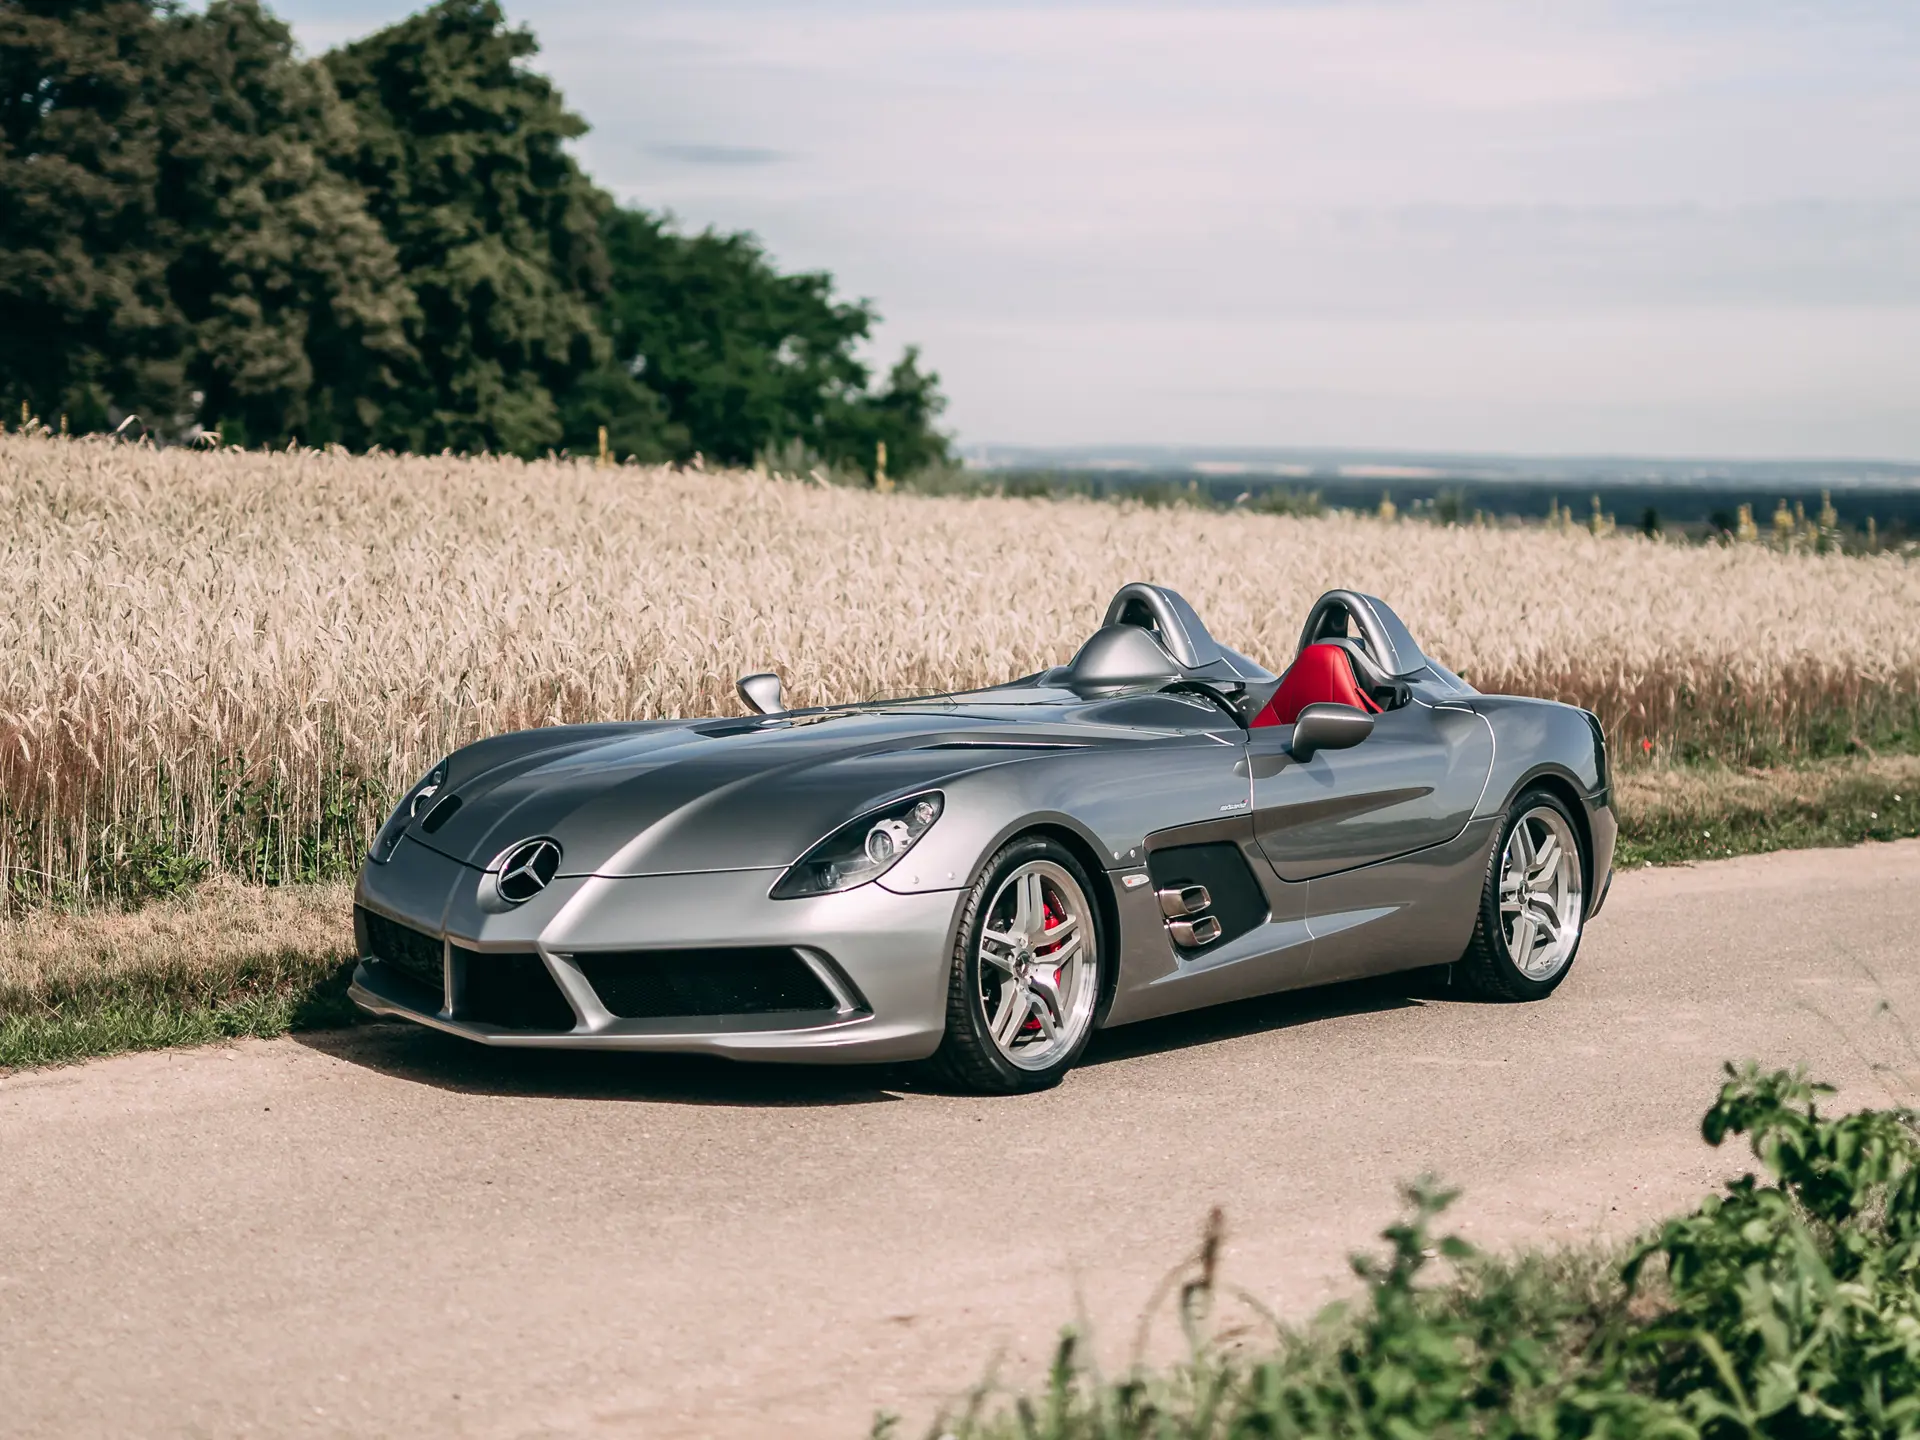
<point>514,991</point>
<point>408,952</point>
<point>661,984</point>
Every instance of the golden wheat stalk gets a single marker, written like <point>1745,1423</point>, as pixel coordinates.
<point>229,660</point>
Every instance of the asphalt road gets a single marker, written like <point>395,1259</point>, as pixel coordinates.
<point>386,1232</point>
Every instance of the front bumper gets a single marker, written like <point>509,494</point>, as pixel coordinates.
<point>882,957</point>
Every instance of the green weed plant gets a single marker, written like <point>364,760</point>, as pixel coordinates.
<point>1787,1306</point>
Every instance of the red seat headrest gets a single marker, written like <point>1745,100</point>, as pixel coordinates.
<point>1321,674</point>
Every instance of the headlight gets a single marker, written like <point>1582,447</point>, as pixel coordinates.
<point>411,804</point>
<point>861,851</point>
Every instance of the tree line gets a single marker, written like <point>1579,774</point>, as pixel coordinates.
<point>388,245</point>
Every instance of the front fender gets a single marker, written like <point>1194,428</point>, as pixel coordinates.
<point>1112,799</point>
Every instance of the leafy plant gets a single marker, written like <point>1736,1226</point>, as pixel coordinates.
<point>1786,1307</point>
<point>1794,1306</point>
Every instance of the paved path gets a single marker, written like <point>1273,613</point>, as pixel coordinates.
<point>386,1232</point>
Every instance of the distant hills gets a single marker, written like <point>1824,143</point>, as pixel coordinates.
<point>1426,469</point>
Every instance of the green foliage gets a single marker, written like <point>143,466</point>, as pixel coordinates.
<point>744,358</point>
<point>1782,1309</point>
<point>1287,500</point>
<point>1795,1305</point>
<point>154,869</point>
<point>461,153</point>
<point>87,320</point>
<point>265,838</point>
<point>391,246</point>
<point>173,241</point>
<point>251,827</point>
<point>747,361</point>
<point>291,294</point>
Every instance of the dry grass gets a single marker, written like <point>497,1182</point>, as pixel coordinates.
<point>227,662</point>
<point>1671,814</point>
<point>227,960</point>
<point>223,925</point>
<point>1702,794</point>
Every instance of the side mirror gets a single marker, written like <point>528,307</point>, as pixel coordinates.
<point>760,692</point>
<point>1328,727</point>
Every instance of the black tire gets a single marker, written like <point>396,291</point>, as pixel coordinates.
<point>969,1058</point>
<point>1488,967</point>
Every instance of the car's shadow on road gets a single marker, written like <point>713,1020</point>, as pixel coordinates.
<point>1265,1014</point>
<point>428,1057</point>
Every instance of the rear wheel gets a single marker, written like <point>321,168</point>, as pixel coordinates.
<point>1533,903</point>
<point>1025,975</point>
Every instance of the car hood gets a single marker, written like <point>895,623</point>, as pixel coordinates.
<point>683,797</point>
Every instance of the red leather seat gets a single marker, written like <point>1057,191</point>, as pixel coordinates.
<point>1321,674</point>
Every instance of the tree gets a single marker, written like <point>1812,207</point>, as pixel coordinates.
<point>391,246</point>
<point>172,240</point>
<point>291,292</point>
<point>746,359</point>
<point>88,325</point>
<point>462,155</point>
<point>901,416</point>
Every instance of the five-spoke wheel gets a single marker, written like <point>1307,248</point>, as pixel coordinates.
<point>1026,972</point>
<point>1540,893</point>
<point>1535,899</point>
<point>1037,976</point>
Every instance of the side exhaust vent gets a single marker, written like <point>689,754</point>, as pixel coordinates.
<point>1192,934</point>
<point>1206,893</point>
<point>1184,900</point>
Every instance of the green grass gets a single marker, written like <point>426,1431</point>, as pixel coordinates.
<point>219,962</point>
<point>269,997</point>
<point>1709,813</point>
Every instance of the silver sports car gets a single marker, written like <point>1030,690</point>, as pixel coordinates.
<point>981,880</point>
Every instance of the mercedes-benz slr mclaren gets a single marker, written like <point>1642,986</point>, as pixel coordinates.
<point>982,880</point>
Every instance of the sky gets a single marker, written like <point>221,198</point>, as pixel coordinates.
<point>1607,228</point>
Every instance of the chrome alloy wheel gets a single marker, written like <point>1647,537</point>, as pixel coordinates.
<point>1038,972</point>
<point>1541,893</point>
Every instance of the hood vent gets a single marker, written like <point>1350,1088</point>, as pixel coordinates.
<point>440,813</point>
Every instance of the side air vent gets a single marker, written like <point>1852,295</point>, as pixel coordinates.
<point>1207,894</point>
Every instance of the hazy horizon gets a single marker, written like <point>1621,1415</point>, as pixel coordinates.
<point>1209,451</point>
<point>1599,228</point>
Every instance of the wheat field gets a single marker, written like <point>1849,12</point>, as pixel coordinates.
<point>228,662</point>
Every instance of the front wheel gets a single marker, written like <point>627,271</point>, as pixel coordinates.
<point>1025,974</point>
<point>1533,903</point>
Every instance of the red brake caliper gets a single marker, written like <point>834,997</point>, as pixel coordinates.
<point>1051,919</point>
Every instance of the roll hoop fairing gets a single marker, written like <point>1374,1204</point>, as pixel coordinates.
<point>795,885</point>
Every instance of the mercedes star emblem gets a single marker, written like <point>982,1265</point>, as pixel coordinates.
<point>527,869</point>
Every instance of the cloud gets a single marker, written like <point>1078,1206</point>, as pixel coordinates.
<point>1463,222</point>
<point>719,154</point>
